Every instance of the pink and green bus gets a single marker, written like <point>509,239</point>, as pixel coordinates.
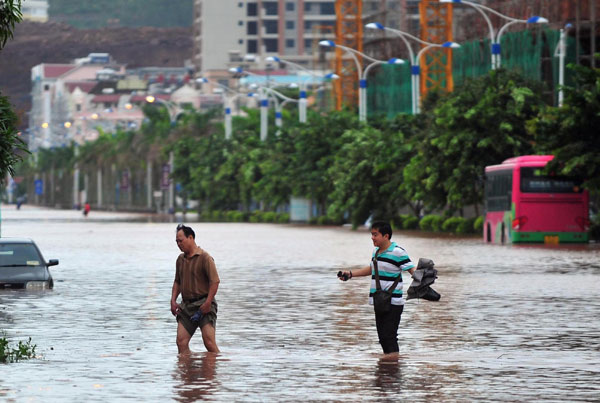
<point>524,205</point>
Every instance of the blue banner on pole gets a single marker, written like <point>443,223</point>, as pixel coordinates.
<point>39,187</point>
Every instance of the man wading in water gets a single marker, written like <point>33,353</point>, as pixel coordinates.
<point>197,280</point>
<point>391,261</point>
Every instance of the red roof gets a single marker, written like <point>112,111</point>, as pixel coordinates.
<point>85,86</point>
<point>114,98</point>
<point>56,70</point>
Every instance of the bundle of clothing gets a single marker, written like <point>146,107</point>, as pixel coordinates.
<point>423,277</point>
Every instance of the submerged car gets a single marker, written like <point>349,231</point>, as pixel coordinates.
<point>22,265</point>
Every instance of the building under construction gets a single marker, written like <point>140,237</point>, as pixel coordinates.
<point>528,47</point>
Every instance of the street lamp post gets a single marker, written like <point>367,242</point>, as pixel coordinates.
<point>172,110</point>
<point>263,101</point>
<point>414,59</point>
<point>302,101</point>
<point>362,83</point>
<point>276,96</point>
<point>561,52</point>
<point>495,39</point>
<point>227,104</point>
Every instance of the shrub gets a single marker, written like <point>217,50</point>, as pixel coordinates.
<point>410,222</point>
<point>431,222</point>
<point>595,228</point>
<point>478,225</point>
<point>452,224</point>
<point>269,216</point>
<point>235,216</point>
<point>12,354</point>
<point>466,227</point>
<point>256,216</point>
<point>283,218</point>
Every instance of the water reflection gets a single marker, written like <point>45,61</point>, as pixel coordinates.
<point>514,323</point>
<point>195,376</point>
<point>388,373</point>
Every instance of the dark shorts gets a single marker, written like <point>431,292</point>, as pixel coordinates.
<point>189,309</point>
<point>387,328</point>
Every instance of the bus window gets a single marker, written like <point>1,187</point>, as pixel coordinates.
<point>534,181</point>
<point>498,190</point>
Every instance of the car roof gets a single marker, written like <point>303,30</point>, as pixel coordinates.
<point>16,240</point>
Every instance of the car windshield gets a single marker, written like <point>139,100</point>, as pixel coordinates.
<point>19,254</point>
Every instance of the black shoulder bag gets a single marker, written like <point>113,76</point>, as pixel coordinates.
<point>382,299</point>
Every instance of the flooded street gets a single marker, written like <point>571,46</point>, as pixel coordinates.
<point>514,322</point>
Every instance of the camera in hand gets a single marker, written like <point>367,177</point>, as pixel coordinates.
<point>343,276</point>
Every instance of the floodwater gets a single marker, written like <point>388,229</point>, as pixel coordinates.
<point>514,323</point>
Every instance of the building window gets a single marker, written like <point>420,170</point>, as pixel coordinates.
<point>241,41</point>
<point>251,46</point>
<point>289,6</point>
<point>290,43</point>
<point>252,10</point>
<point>78,107</point>
<point>270,7</point>
<point>308,44</point>
<point>271,45</point>
<point>251,28</point>
<point>240,4</point>
<point>270,26</point>
<point>307,6</point>
<point>289,25</point>
<point>328,8</point>
<point>240,23</point>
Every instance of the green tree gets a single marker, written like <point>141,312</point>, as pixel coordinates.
<point>11,146</point>
<point>570,132</point>
<point>10,15</point>
<point>481,123</point>
<point>367,174</point>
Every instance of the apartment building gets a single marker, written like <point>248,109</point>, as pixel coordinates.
<point>230,33</point>
<point>35,10</point>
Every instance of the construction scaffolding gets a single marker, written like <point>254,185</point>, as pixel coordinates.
<point>349,32</point>
<point>436,64</point>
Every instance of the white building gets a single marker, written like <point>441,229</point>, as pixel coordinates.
<point>226,31</point>
<point>73,102</point>
<point>35,10</point>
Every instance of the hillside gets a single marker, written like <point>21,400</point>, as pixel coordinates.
<point>130,13</point>
<point>36,43</point>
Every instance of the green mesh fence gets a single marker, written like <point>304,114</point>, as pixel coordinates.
<point>529,52</point>
<point>389,91</point>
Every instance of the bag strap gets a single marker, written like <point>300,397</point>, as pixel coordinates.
<point>377,282</point>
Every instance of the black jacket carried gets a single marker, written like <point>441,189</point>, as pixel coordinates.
<point>423,277</point>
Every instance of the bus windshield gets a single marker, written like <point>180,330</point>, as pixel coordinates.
<point>533,180</point>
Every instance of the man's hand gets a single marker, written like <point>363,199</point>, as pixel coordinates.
<point>175,308</point>
<point>344,275</point>
<point>205,308</point>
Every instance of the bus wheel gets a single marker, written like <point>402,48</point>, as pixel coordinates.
<point>503,235</point>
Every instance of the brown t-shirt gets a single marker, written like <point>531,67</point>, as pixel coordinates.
<point>195,274</point>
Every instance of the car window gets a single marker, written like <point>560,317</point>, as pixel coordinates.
<point>19,255</point>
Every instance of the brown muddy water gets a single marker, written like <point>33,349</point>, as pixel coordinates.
<point>514,323</point>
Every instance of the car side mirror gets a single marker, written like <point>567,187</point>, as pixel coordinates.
<point>52,262</point>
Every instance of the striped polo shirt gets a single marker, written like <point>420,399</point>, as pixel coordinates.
<point>390,264</point>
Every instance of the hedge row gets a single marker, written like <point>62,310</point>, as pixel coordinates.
<point>240,216</point>
<point>431,222</point>
<point>437,223</point>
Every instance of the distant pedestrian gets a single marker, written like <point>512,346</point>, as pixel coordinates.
<point>197,280</point>
<point>86,209</point>
<point>389,260</point>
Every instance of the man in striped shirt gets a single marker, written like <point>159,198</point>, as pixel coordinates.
<point>392,260</point>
